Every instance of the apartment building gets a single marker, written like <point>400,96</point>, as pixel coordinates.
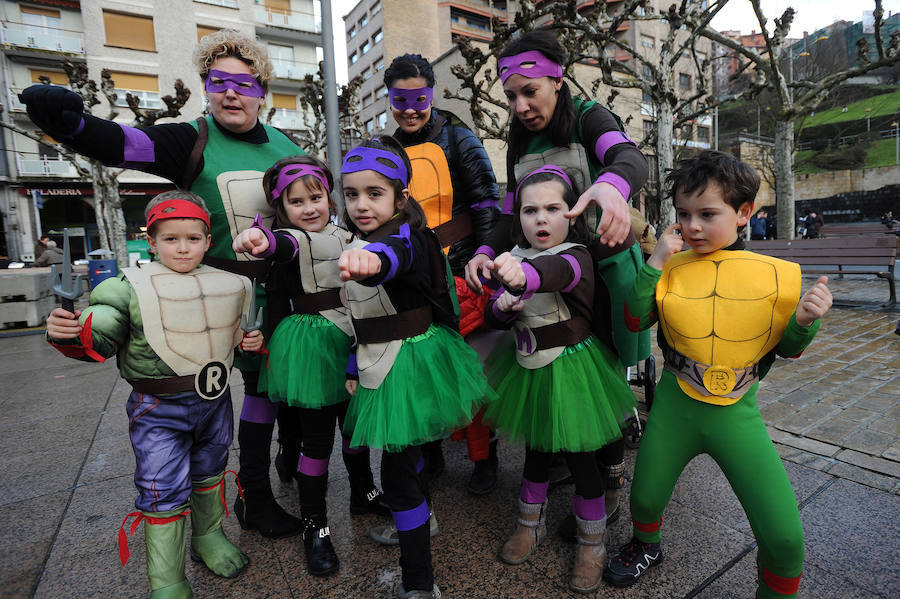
<point>146,46</point>
<point>380,30</point>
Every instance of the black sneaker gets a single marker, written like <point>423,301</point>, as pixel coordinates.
<point>630,563</point>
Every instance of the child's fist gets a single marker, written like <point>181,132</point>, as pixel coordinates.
<point>509,271</point>
<point>62,324</point>
<point>478,267</point>
<point>252,341</point>
<point>358,264</point>
<point>814,303</point>
<point>351,385</point>
<point>669,243</point>
<point>253,241</point>
<point>508,302</point>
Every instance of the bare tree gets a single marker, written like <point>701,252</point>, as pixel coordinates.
<point>314,138</point>
<point>793,99</point>
<point>104,179</point>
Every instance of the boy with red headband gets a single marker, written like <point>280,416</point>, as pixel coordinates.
<point>173,325</point>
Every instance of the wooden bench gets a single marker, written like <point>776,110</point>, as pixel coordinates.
<point>858,255</point>
<point>850,229</point>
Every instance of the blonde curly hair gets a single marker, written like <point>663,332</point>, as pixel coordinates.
<point>231,42</point>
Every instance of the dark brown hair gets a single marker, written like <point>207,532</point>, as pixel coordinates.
<point>412,212</point>
<point>409,66</point>
<point>578,232</point>
<point>563,120</point>
<point>739,181</point>
<point>270,179</point>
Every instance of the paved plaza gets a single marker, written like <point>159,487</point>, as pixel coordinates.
<point>66,483</point>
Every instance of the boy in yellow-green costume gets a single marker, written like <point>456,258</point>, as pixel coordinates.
<point>723,315</point>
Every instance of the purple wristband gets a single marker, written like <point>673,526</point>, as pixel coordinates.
<point>532,280</point>
<point>487,251</point>
<point>616,181</point>
<point>508,203</point>
<point>269,251</point>
<point>352,369</point>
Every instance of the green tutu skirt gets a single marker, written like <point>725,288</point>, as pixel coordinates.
<point>307,362</point>
<point>436,385</point>
<point>578,402</point>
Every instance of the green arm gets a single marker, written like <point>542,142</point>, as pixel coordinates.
<point>640,301</point>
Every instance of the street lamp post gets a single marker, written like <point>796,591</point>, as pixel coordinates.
<point>868,120</point>
<point>896,126</point>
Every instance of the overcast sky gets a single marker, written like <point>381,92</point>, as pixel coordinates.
<point>738,14</point>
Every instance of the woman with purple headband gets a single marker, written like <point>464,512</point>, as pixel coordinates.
<point>221,158</point>
<point>549,125</point>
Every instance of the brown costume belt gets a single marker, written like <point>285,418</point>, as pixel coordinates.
<point>458,227</point>
<point>313,303</point>
<point>560,334</point>
<point>252,269</point>
<point>173,384</point>
<point>393,327</point>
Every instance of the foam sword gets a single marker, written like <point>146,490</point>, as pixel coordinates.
<point>62,283</point>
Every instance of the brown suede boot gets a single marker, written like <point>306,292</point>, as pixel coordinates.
<point>590,556</point>
<point>530,530</point>
<point>613,481</point>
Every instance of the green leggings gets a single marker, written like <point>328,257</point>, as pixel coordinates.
<point>678,429</point>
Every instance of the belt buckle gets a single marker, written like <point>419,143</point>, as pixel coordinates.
<point>719,380</point>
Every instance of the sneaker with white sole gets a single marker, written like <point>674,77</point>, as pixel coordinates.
<point>633,559</point>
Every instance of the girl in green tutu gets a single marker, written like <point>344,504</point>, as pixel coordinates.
<point>308,349</point>
<point>560,389</point>
<point>412,376</point>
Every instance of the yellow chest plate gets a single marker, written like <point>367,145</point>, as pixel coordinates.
<point>727,310</point>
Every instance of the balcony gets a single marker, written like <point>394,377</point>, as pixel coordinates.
<point>31,164</point>
<point>465,29</point>
<point>292,120</point>
<point>225,3</point>
<point>19,35</point>
<point>300,21</point>
<point>482,7</point>
<point>12,100</point>
<point>292,69</point>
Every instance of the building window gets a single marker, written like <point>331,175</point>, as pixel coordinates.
<point>144,87</point>
<point>55,77</point>
<point>703,134</point>
<point>284,101</point>
<point>382,120</point>
<point>684,81</point>
<point>370,126</point>
<point>366,74</point>
<point>351,33</point>
<point>381,92</point>
<point>40,19</point>
<point>365,47</point>
<point>353,58</point>
<point>376,8</point>
<point>379,65</point>
<point>364,21</point>
<point>647,41</point>
<point>649,128</point>
<point>701,56</point>
<point>203,31</point>
<point>129,31</point>
<point>646,98</point>
<point>367,100</point>
<point>377,37</point>
<point>646,72</point>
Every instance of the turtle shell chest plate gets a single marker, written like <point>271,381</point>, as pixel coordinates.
<point>541,309</point>
<point>726,309</point>
<point>190,319</point>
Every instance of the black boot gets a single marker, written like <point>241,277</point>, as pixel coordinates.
<point>258,509</point>
<point>365,498</point>
<point>484,476</point>
<point>286,461</point>
<point>321,559</point>
<point>289,442</point>
<point>434,460</point>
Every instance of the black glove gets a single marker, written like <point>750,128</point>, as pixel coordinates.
<point>56,110</point>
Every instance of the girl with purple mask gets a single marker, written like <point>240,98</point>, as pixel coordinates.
<point>412,376</point>
<point>308,351</point>
<point>453,180</point>
<point>557,372</point>
<point>220,157</point>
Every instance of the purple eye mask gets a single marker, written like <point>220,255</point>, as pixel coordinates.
<point>291,172</point>
<point>547,168</point>
<point>368,161</point>
<point>244,84</point>
<point>531,64</point>
<point>404,99</point>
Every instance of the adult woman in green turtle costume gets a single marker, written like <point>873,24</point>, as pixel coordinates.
<point>550,126</point>
<point>222,158</point>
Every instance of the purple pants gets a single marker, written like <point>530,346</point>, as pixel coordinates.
<point>176,439</point>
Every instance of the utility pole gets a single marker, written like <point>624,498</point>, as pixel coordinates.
<point>332,119</point>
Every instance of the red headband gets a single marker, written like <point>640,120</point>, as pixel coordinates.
<point>176,208</point>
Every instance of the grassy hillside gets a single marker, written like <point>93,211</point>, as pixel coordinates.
<point>880,153</point>
<point>882,105</point>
